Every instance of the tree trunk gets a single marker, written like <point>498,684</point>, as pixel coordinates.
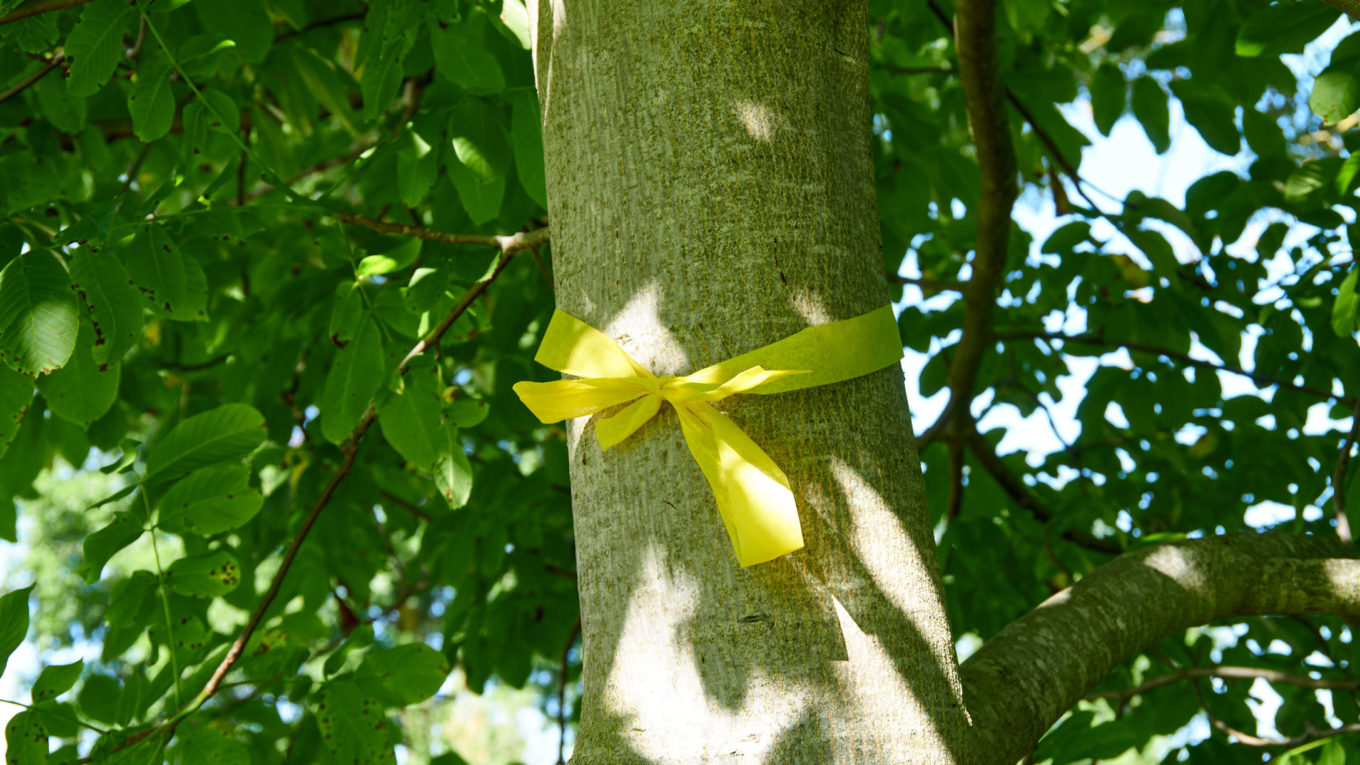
<point>711,190</point>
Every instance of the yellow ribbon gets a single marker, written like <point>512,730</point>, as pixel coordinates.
<point>753,495</point>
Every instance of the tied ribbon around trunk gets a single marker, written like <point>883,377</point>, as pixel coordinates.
<point>753,495</point>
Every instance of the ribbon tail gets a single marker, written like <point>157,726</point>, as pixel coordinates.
<point>563,399</point>
<point>613,429</point>
<point>753,495</point>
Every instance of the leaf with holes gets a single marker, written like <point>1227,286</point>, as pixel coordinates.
<point>38,314</point>
<point>353,726</point>
<point>229,432</point>
<point>111,303</point>
<point>204,576</point>
<point>209,501</point>
<point>407,674</point>
<point>55,680</point>
<point>16,394</point>
<point>83,390</point>
<point>151,101</point>
<point>95,45</point>
<point>174,286</point>
<point>355,375</point>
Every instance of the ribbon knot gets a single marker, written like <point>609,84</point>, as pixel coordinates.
<point>753,495</point>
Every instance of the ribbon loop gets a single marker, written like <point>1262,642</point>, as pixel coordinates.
<point>753,495</point>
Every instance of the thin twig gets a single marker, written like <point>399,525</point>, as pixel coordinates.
<point>28,81</point>
<point>1248,739</point>
<point>932,285</point>
<point>509,247</point>
<point>1228,673</point>
<point>1017,491</point>
<point>1343,524</point>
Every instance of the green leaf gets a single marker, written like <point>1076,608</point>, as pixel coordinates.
<point>151,102</point>
<point>83,390</point>
<point>123,530</point>
<point>1109,96</point>
<point>467,412</point>
<point>323,83</point>
<point>209,501</point>
<point>228,432</point>
<point>1149,106</point>
<point>111,303</point>
<point>204,576</point>
<point>461,57</point>
<point>375,265</point>
<point>479,141</point>
<point>98,698</point>
<point>1336,93</point>
<point>417,167</point>
<point>516,19</point>
<point>1346,310</point>
<point>355,376</point>
<point>66,112</point>
<point>13,623</point>
<point>407,674</point>
<point>353,726</point>
<point>481,199</point>
<point>1285,27</point>
<point>25,740</point>
<point>244,22</point>
<point>212,744</point>
<point>38,314</point>
<point>16,394</point>
<point>452,472</point>
<point>526,134</point>
<point>174,286</point>
<point>410,420</point>
<point>1212,115</point>
<point>347,313</point>
<point>95,45</point>
<point>55,680</point>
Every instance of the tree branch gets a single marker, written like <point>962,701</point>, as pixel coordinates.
<point>28,81</point>
<point>1022,496</point>
<point>538,236</point>
<point>1349,7</point>
<point>1227,673</point>
<point>509,246</point>
<point>980,73</point>
<point>37,8</point>
<point>1023,679</point>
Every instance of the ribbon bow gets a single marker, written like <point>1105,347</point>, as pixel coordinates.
<point>753,494</point>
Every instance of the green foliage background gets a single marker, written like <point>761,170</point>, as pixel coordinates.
<point>227,224</point>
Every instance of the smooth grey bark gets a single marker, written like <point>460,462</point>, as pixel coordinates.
<point>1021,681</point>
<point>711,190</point>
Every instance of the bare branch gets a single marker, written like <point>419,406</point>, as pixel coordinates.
<point>28,81</point>
<point>534,238</point>
<point>1227,673</point>
<point>984,93</point>
<point>37,8</point>
<point>1023,679</point>
<point>1022,496</point>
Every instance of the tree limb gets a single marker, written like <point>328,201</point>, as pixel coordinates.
<point>1023,679</point>
<point>1349,7</point>
<point>26,82</point>
<point>1227,673</point>
<point>984,93</point>
<point>37,8</point>
<point>1022,496</point>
